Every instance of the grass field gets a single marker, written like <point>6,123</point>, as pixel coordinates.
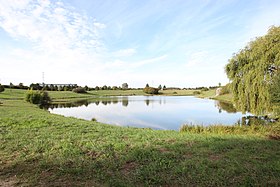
<point>42,149</point>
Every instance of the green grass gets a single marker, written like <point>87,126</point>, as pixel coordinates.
<point>211,94</point>
<point>42,149</point>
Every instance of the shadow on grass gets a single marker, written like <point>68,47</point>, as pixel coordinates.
<point>213,161</point>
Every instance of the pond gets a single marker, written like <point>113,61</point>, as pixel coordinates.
<point>156,112</point>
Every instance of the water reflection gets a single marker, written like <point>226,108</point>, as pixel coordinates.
<point>158,112</point>
<point>124,100</point>
<point>225,106</point>
<point>254,120</point>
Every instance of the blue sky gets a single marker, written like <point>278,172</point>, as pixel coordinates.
<point>180,43</point>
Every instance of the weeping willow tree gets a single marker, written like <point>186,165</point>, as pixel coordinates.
<point>253,72</point>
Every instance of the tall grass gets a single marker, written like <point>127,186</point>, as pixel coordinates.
<point>270,130</point>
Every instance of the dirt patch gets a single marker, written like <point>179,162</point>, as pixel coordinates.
<point>274,136</point>
<point>128,167</point>
<point>188,155</point>
<point>215,157</point>
<point>164,150</point>
<point>190,143</point>
<point>9,182</point>
<point>171,140</point>
<point>92,154</point>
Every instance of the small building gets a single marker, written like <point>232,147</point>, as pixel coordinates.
<point>58,85</point>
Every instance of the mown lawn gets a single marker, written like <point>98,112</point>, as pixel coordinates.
<point>42,149</point>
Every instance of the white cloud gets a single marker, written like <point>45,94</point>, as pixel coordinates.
<point>51,26</point>
<point>124,52</point>
<point>197,58</point>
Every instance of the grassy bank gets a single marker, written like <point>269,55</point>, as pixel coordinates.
<point>211,94</point>
<point>42,149</point>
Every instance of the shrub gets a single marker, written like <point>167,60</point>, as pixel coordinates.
<point>196,92</point>
<point>205,89</point>
<point>225,89</point>
<point>2,88</point>
<point>37,97</point>
<point>151,90</point>
<point>79,90</point>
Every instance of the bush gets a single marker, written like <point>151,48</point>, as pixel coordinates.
<point>2,88</point>
<point>79,90</point>
<point>151,90</point>
<point>225,89</point>
<point>196,92</point>
<point>37,97</point>
<point>204,89</point>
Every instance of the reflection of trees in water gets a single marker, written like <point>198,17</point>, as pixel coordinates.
<point>104,101</point>
<point>147,101</point>
<point>124,101</point>
<point>255,120</point>
<point>66,105</point>
<point>225,106</point>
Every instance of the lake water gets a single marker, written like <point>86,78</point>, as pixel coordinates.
<point>157,112</point>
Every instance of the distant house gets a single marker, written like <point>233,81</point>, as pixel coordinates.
<point>58,85</point>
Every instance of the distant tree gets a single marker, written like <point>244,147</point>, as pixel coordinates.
<point>60,88</point>
<point>220,84</point>
<point>35,86</point>
<point>47,88</point>
<point>104,87</point>
<point>51,87</point>
<point>2,88</point>
<point>96,88</point>
<point>20,85</point>
<point>150,90</point>
<point>124,86</point>
<point>86,88</point>
<point>79,90</point>
<point>114,87</point>
<point>147,85</point>
<point>164,87</point>
<point>11,85</point>
<point>159,87</point>
<point>109,88</point>
<point>55,88</point>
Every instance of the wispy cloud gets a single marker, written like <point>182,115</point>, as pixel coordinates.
<point>124,52</point>
<point>51,26</point>
<point>197,59</point>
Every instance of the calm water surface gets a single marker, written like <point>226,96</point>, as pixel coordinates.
<point>157,112</point>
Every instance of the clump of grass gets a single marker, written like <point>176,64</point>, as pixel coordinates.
<point>196,92</point>
<point>271,130</point>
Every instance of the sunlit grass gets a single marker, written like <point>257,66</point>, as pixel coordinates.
<point>42,149</point>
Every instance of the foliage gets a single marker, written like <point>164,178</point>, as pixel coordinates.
<point>160,87</point>
<point>275,89</point>
<point>252,71</point>
<point>204,89</point>
<point>147,85</point>
<point>35,86</point>
<point>151,90</point>
<point>37,97</point>
<point>226,89</point>
<point>86,88</point>
<point>196,92</point>
<point>79,90</point>
<point>2,89</point>
<point>124,86</point>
